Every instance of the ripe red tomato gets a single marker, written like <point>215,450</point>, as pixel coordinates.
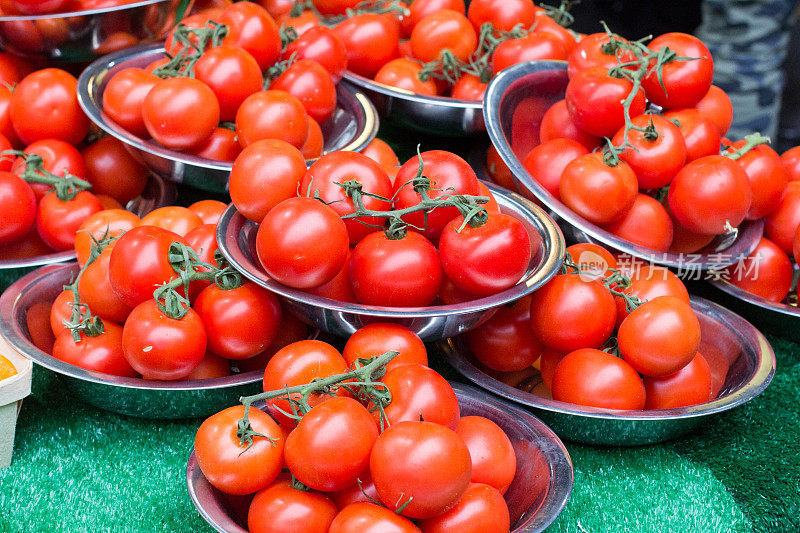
<point>376,339</point>
<point>717,107</point>
<point>546,162</point>
<point>302,243</point>
<point>281,507</point>
<point>503,14</point>
<point>232,73</point>
<point>331,169</point>
<point>481,509</point>
<point>320,44</point>
<point>594,101</point>
<point>315,143</point>
<point>569,313</point>
<point>180,113</point>
<point>597,379</point>
<point>301,23</point>
<point>95,291</point>
<point>790,159</point>
<point>366,517</point>
<point>494,461</point>
<point>682,83</point>
<point>235,467</point>
<point>107,160</point>
<point>660,337</point>
<point>656,155</point>
<point>768,178</point>
<point>45,106</point>
<point>382,153</point>
<point>334,7</point>
<point>532,47</point>
<point>203,240</point>
<point>17,208</point>
<point>252,28</point>
<point>505,342</point>
<point>291,330</point>
<point>58,157</point>
<point>310,83</point>
<point>592,259</point>
<point>498,170</point>
<point>557,124</point>
<point>546,25</point>
<point>598,192</point>
<point>691,385</point>
<point>209,211</point>
<point>780,225</point>
<point>710,193</point>
<point>173,218</point>
<point>419,392</point>
<point>487,259</point>
<point>685,241</point>
<point>339,288</point>
<point>547,366</point>
<point>371,41</point>
<point>403,272</point>
<point>160,347</point>
<point>57,221</point>
<point>330,447</point>
<point>361,492</point>
<point>109,222</point>
<point>6,126</point>
<point>210,367</point>
<point>102,353</point>
<point>422,465</point>
<point>700,134</point>
<point>402,73</point>
<point>60,311</point>
<point>123,98</point>
<point>443,30</point>
<point>766,272</point>
<point>647,224</point>
<point>422,8</point>
<point>263,175</point>
<point>445,171</point>
<point>649,282</point>
<point>271,115</point>
<point>595,50</point>
<point>469,87</point>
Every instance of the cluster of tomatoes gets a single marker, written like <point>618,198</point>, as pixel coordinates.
<point>226,82</point>
<point>43,148</point>
<point>604,339</point>
<point>347,457</point>
<point>309,219</point>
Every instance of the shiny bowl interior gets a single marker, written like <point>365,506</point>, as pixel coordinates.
<point>432,115</point>
<point>236,238</point>
<point>538,494</point>
<point>82,36</point>
<point>352,126</point>
<point>129,396</point>
<point>727,340</point>
<point>157,193</point>
<point>516,101</point>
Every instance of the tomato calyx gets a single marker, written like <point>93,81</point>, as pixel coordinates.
<point>245,432</point>
<point>277,69</point>
<point>66,187</point>
<point>194,41</point>
<point>615,282</point>
<point>561,14</point>
<point>751,141</point>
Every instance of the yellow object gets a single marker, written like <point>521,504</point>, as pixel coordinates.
<point>6,368</point>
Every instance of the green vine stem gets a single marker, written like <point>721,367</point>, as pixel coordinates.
<point>277,69</point>
<point>750,142</point>
<point>616,282</point>
<point>66,187</point>
<point>561,14</point>
<point>194,42</point>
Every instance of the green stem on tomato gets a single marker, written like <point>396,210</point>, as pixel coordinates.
<point>751,141</point>
<point>66,187</point>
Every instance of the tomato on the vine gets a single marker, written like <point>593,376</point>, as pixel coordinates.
<point>17,208</point>
<point>311,84</point>
<point>443,30</point>
<point>700,135</point>
<point>680,83</point>
<point>57,220</point>
<point>503,14</point>
<point>371,41</point>
<point>402,73</point>
<point>232,73</point>
<point>532,47</point>
<point>768,178</point>
<point>375,339</point>
<point>173,218</point>
<point>558,124</point>
<point>252,28</point>
<point>106,223</point>
<point>101,353</point>
<point>419,392</point>
<point>594,100</point>
<point>656,154</point>
<point>95,291</point>
<point>320,44</point>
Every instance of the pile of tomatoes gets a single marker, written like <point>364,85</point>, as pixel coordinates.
<point>230,83</point>
<point>593,348</point>
<point>44,7</point>
<point>341,466</point>
<point>304,242</point>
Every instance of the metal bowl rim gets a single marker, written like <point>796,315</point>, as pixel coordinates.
<point>752,299</point>
<point>97,11</point>
<point>762,376</point>
<point>394,92</point>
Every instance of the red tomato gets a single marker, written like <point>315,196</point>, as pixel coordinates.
<point>596,191</point>
<point>422,465</point>
<point>546,25</point>
<point>700,135</point>
<point>9,73</point>
<point>232,73</point>
<point>443,30</point>
<point>420,9</point>
<point>660,337</point>
<point>382,153</point>
<point>112,170</point>
<point>592,259</point>
<point>271,115</point>
<point>710,193</point>
<point>364,491</point>
<point>339,288</point>
<point>505,342</point>
<point>210,367</point>
<point>173,218</point>
<point>494,461</point>
<point>768,178</point>
<point>717,107</point>
<point>594,101</point>
<point>647,224</point>
<point>334,7</point>
<point>109,222</point>
<point>58,157</point>
<point>649,282</point>
<point>376,339</point>
<point>282,508</point>
<point>57,221</point>
<point>380,270</point>
<point>487,259</point>
<point>291,330</point>
<point>532,47</point>
<point>237,467</point>
<point>790,159</point>
<point>595,50</point>
<point>95,291</point>
<point>330,447</point>
<point>203,240</point>
<point>320,44</point>
<point>209,211</point>
<point>252,28</point>
<point>597,379</point>
<point>498,170</point>
<point>656,154</point>
<point>364,517</point>
<point>683,240</point>
<point>328,171</point>
<point>402,73</point>
<point>302,243</point>
<point>557,123</point>
<point>548,363</point>
<point>481,509</point>
<point>682,83</point>
<point>503,14</point>
<point>17,208</point>
<point>569,313</point>
<point>301,23</point>
<point>370,40</point>
<point>180,113</point>
<point>469,87</point>
<point>310,83</point>
<point>780,225</point>
<point>691,385</point>
<point>123,98</point>
<point>547,161</point>
<point>6,126</point>
<point>766,272</point>
<point>45,106</point>
<point>102,353</point>
<point>38,321</point>
<point>60,311</point>
<point>315,143</point>
<point>419,392</point>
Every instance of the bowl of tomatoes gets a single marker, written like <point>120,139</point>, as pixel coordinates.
<point>237,237</point>
<point>351,126</point>
<point>740,365</point>
<point>536,496</point>
<point>25,324</point>
<point>82,31</point>
<point>524,111</point>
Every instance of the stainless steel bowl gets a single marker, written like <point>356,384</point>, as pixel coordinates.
<point>352,126</point>
<point>432,115</point>
<point>83,36</point>
<point>157,193</point>
<point>236,238</point>
<point>128,396</point>
<point>516,101</point>
<point>537,495</point>
<point>751,365</point>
